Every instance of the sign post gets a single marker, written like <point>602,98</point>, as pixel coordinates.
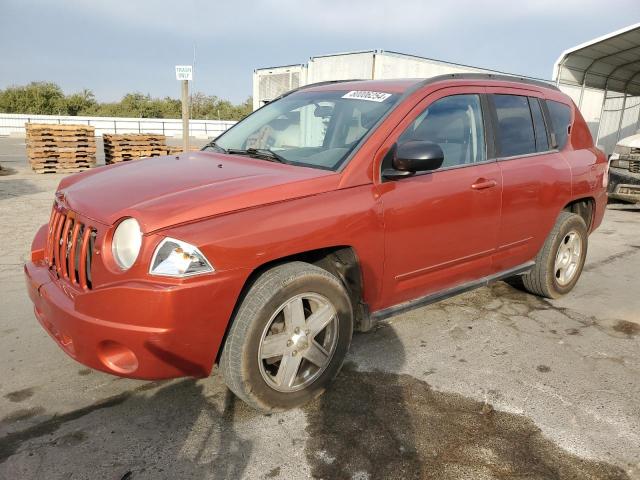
<point>184,73</point>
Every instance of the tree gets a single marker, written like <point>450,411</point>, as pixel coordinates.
<point>211,107</point>
<point>42,98</point>
<point>48,98</point>
<point>77,103</point>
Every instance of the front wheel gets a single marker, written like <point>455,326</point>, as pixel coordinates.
<point>559,263</point>
<point>289,337</point>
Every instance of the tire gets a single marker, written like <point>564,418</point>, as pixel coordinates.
<point>546,278</point>
<point>274,327</point>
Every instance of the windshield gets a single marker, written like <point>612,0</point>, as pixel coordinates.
<point>315,129</point>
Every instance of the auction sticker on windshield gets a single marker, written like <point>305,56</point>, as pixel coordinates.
<point>367,95</point>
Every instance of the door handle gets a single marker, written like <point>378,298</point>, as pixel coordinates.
<point>483,183</point>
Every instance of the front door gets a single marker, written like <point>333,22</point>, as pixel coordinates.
<point>441,226</point>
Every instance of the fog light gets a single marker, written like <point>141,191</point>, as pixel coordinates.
<point>117,357</point>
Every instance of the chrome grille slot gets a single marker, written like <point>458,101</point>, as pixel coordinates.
<point>69,248</point>
<point>634,160</point>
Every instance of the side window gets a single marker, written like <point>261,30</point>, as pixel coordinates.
<point>560,121</point>
<point>515,127</point>
<point>455,124</point>
<point>542,142</point>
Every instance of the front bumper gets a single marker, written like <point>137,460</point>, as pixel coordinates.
<point>137,329</point>
<point>624,185</point>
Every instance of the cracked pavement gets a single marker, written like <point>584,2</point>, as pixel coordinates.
<point>494,383</point>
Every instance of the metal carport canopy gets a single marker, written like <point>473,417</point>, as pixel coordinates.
<point>610,63</point>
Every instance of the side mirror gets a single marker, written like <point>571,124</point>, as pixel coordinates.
<point>412,157</point>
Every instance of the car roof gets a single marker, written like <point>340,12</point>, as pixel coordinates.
<point>402,85</point>
<point>398,85</point>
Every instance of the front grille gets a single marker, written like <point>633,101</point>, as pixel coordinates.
<point>69,249</point>
<point>633,157</point>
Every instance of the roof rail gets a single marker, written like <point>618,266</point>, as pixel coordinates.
<point>449,76</point>
<point>491,76</point>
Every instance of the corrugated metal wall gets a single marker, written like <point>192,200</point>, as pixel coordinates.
<point>590,106</point>
<point>607,130</point>
<point>269,83</point>
<point>346,66</point>
<point>395,65</point>
<point>611,127</point>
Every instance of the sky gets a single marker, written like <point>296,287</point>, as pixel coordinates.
<point>113,47</point>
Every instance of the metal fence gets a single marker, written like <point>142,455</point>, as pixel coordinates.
<point>14,124</point>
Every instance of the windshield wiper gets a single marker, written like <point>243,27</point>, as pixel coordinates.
<point>264,153</point>
<point>213,144</point>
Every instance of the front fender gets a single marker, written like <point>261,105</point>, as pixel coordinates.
<point>252,238</point>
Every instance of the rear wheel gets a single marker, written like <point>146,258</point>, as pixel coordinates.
<point>289,337</point>
<point>561,259</point>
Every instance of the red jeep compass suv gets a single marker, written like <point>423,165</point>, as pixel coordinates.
<point>332,207</point>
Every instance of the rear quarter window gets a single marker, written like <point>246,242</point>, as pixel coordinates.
<point>560,114</point>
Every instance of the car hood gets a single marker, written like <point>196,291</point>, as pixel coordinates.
<point>165,191</point>
<point>633,141</point>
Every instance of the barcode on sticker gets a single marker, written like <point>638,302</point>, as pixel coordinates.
<point>366,95</point>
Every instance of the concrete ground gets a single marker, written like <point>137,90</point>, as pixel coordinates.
<point>492,384</point>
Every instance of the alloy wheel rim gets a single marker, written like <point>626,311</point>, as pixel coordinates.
<point>568,258</point>
<point>298,342</point>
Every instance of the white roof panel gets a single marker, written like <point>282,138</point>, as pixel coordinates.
<point>609,62</point>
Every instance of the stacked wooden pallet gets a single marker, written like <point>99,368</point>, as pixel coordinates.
<point>124,147</point>
<point>176,150</point>
<point>60,148</point>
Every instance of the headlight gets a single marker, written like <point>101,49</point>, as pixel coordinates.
<point>126,243</point>
<point>175,258</point>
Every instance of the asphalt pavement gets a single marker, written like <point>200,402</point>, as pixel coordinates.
<point>492,384</point>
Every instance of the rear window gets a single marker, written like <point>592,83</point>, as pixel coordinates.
<point>515,127</point>
<point>560,121</point>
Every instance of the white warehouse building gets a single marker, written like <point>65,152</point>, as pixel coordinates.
<point>618,109</point>
<point>269,83</point>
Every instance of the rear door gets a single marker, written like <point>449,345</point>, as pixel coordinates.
<point>441,226</point>
<point>536,177</point>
